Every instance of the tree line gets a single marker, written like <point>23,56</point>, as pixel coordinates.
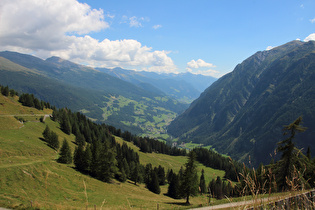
<point>26,99</point>
<point>215,160</point>
<point>99,155</point>
<point>292,171</point>
<point>148,145</point>
<point>6,91</point>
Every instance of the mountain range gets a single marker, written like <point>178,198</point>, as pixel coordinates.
<point>142,109</point>
<point>242,114</point>
<point>185,87</point>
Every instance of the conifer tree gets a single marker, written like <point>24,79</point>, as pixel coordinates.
<point>46,133</point>
<point>96,152</point>
<point>78,158</point>
<point>161,175</point>
<point>190,181</point>
<point>5,91</point>
<point>65,154</point>
<point>87,158</point>
<point>53,140</point>
<point>218,188</point>
<point>202,183</point>
<point>79,139</point>
<point>108,163</point>
<point>289,161</point>
<point>154,184</point>
<point>135,174</point>
<point>65,123</point>
<point>125,166</point>
<point>173,187</point>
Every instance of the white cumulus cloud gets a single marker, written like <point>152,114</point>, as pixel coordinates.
<point>199,63</point>
<point>44,24</point>
<point>311,37</point>
<point>62,27</point>
<point>201,67</point>
<point>269,48</point>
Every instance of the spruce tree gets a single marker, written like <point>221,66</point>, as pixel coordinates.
<point>190,181</point>
<point>87,159</point>
<point>46,133</point>
<point>65,123</point>
<point>65,155</point>
<point>154,183</point>
<point>218,188</point>
<point>79,139</point>
<point>173,187</point>
<point>202,183</point>
<point>289,161</point>
<point>161,175</point>
<point>5,91</point>
<point>53,140</point>
<point>108,163</point>
<point>135,174</point>
<point>78,158</point>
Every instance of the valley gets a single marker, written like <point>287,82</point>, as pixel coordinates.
<point>119,135</point>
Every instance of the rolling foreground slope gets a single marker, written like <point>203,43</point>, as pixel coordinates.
<point>31,177</point>
<point>242,114</point>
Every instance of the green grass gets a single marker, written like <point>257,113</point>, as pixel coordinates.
<point>171,162</point>
<point>30,175</point>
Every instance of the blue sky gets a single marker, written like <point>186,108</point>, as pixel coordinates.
<point>201,36</point>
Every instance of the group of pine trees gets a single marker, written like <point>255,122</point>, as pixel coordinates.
<point>186,183</point>
<point>6,91</point>
<point>98,154</point>
<point>30,101</point>
<point>148,145</point>
<point>26,99</point>
<point>214,160</point>
<point>51,138</point>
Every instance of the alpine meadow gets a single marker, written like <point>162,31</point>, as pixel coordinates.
<point>157,104</point>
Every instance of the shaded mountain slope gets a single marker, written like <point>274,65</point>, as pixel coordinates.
<point>242,114</point>
<point>100,96</point>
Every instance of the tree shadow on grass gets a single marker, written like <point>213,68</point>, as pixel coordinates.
<point>178,203</point>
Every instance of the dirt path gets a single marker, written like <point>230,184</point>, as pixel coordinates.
<point>26,115</point>
<point>250,203</point>
<point>22,164</point>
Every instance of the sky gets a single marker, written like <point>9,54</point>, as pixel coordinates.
<point>208,37</point>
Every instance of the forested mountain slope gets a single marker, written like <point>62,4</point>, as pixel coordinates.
<point>100,96</point>
<point>242,114</point>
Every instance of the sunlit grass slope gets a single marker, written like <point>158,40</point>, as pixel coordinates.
<point>31,177</point>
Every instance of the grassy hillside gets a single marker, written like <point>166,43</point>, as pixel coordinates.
<point>30,175</point>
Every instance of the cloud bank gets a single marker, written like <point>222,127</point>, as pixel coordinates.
<point>201,67</point>
<point>311,37</point>
<point>62,28</point>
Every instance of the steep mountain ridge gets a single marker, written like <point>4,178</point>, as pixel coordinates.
<point>243,112</point>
